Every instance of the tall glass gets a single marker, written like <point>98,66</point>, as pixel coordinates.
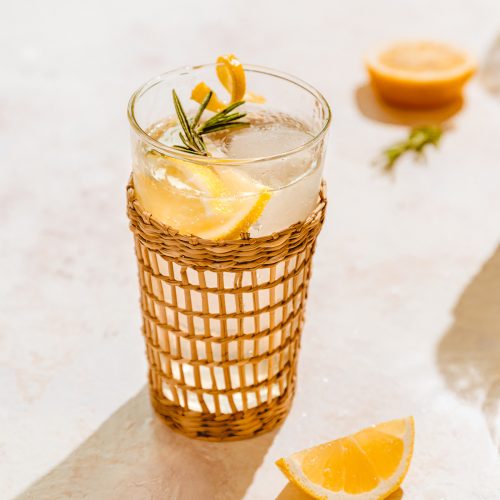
<point>222,335</point>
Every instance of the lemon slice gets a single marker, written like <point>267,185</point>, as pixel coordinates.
<point>194,199</point>
<point>420,73</point>
<point>199,177</point>
<point>231,74</point>
<point>368,465</point>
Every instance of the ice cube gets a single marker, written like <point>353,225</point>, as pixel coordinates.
<point>264,140</point>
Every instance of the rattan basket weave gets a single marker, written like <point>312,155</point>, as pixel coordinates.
<point>222,323</point>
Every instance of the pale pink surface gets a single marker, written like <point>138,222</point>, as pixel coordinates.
<point>402,319</point>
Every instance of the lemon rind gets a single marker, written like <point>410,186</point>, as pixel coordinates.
<point>291,468</point>
<point>462,71</point>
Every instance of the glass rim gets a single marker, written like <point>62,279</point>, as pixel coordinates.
<point>181,155</point>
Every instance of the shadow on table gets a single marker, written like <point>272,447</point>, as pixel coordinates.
<point>375,109</point>
<point>469,354</point>
<point>134,455</point>
<point>292,492</point>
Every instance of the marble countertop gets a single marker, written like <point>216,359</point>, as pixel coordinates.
<point>404,307</point>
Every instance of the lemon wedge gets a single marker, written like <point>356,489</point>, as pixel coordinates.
<point>421,74</point>
<point>368,465</point>
<point>195,199</point>
<point>231,75</point>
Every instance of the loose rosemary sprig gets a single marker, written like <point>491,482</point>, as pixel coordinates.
<point>192,131</point>
<point>418,138</point>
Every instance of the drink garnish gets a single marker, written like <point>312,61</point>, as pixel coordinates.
<point>232,77</point>
<point>222,212</point>
<point>209,205</point>
<point>193,131</point>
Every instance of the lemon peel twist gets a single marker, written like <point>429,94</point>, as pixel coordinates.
<point>231,75</point>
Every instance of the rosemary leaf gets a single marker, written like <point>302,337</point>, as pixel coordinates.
<point>182,148</point>
<point>222,115</point>
<point>231,107</point>
<point>184,140</point>
<point>234,116</point>
<point>200,143</point>
<point>181,115</point>
<point>223,126</point>
<point>203,105</point>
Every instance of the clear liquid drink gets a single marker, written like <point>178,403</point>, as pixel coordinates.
<point>254,181</point>
<point>258,179</point>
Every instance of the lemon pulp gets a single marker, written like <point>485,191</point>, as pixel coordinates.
<point>369,464</point>
<point>194,199</point>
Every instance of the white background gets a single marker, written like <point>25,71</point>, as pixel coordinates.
<point>404,309</point>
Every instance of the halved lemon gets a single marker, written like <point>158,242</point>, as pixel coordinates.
<point>368,465</point>
<point>421,74</point>
<point>195,199</point>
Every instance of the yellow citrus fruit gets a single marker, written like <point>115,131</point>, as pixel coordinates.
<point>368,465</point>
<point>196,199</point>
<point>199,93</point>
<point>419,74</point>
<point>231,75</point>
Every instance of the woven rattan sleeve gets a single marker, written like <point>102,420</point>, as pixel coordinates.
<point>222,322</point>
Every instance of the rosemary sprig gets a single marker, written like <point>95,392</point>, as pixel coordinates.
<point>193,142</point>
<point>224,119</point>
<point>192,131</point>
<point>418,139</point>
